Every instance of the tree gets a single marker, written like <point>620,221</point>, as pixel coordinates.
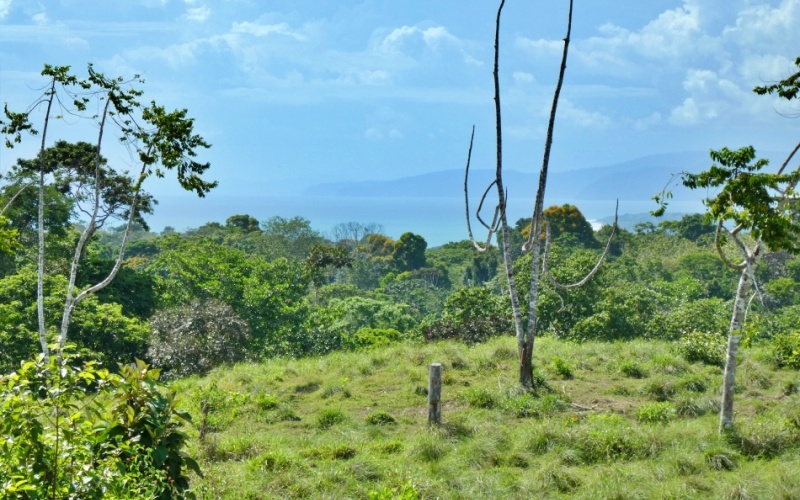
<point>761,203</point>
<point>351,234</point>
<point>246,223</point>
<point>499,223</point>
<point>160,140</point>
<point>409,252</point>
<point>565,220</point>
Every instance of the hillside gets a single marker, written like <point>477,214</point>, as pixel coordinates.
<point>637,179</point>
<point>616,420</point>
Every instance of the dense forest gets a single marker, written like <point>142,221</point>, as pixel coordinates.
<point>250,290</point>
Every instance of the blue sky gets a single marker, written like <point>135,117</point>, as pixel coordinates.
<point>300,92</point>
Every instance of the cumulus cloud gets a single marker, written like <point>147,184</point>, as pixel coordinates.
<point>413,42</point>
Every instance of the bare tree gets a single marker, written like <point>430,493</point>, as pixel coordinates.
<point>526,334</point>
<point>350,234</point>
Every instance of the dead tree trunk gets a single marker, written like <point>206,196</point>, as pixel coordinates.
<point>526,334</point>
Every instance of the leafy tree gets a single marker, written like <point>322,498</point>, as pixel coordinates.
<point>245,223</point>
<point>290,238</point>
<point>324,258</point>
<point>409,252</point>
<point>161,140</point>
<point>564,220</point>
<point>691,227</point>
<point>268,295</point>
<point>761,203</point>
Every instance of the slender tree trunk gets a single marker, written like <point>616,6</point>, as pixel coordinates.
<point>729,377</point>
<point>40,229</point>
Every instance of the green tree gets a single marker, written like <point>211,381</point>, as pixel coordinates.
<point>160,139</point>
<point>245,223</point>
<point>761,203</point>
<point>409,252</point>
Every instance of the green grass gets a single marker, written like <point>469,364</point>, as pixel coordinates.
<point>611,420</point>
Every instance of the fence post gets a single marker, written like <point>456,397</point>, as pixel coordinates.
<point>435,394</point>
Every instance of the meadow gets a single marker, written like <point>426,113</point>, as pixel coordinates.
<point>630,419</point>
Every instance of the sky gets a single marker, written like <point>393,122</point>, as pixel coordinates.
<point>293,93</point>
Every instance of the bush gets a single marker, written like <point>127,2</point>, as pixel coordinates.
<point>786,350</point>
<point>469,331</point>
<point>367,338</point>
<point>704,347</point>
<point>654,413</point>
<point>78,431</point>
<point>194,339</point>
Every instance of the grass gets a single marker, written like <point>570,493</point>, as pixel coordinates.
<point>610,420</point>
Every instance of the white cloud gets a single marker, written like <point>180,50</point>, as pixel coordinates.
<point>40,18</point>
<point>763,27</point>
<point>198,14</point>
<point>523,78</point>
<point>647,122</point>
<point>5,8</point>
<point>540,47</point>
<point>260,30</point>
<point>413,43</point>
<point>582,117</point>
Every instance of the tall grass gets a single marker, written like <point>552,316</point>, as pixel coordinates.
<point>610,420</point>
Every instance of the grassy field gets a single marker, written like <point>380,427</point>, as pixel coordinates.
<point>615,420</point>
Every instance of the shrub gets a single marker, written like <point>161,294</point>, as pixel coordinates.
<point>704,347</point>
<point>78,431</point>
<point>194,339</point>
<point>469,331</point>
<point>654,413</point>
<point>786,350</point>
<point>381,418</point>
<point>330,417</point>
<point>561,368</point>
<point>368,338</point>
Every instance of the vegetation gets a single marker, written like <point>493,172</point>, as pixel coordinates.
<point>631,419</point>
<point>304,357</point>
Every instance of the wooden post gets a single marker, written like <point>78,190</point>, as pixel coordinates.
<point>435,394</point>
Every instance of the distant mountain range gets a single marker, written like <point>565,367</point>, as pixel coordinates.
<point>637,179</point>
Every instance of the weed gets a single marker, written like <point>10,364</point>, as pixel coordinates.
<point>330,417</point>
<point>405,492</point>
<point>561,368</point>
<point>693,383</point>
<point>478,397</point>
<point>656,413</point>
<point>430,451</point>
<point>527,405</point>
<point>660,389</point>
<point>266,402</point>
<point>721,459</point>
<point>632,369</point>
<point>380,418</point>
